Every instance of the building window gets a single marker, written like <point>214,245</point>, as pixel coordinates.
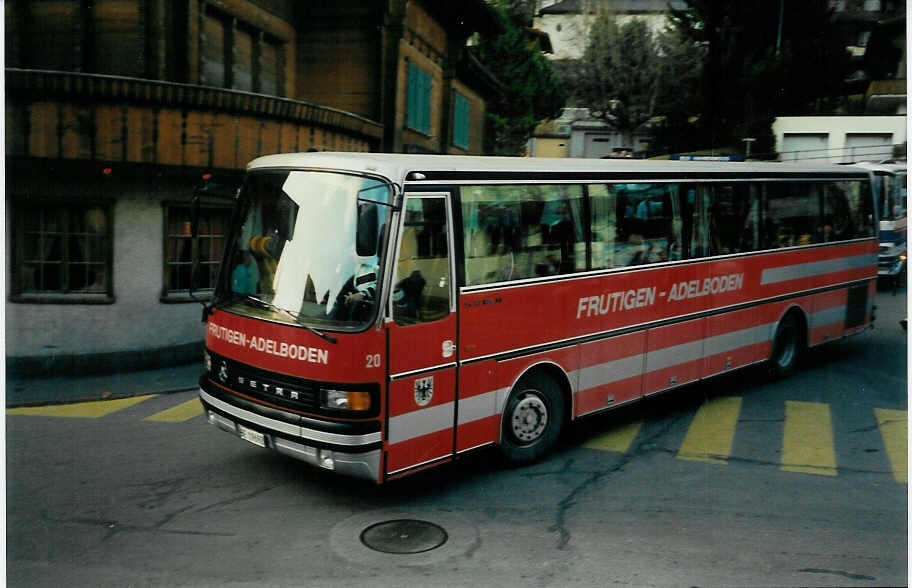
<point>419,99</point>
<point>215,54</point>
<point>461,111</point>
<point>270,67</point>
<point>239,56</point>
<point>180,248</point>
<point>62,248</point>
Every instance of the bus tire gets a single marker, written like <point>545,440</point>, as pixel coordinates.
<point>787,346</point>
<point>532,421</point>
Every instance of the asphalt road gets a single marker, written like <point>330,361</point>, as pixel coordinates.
<point>628,499</point>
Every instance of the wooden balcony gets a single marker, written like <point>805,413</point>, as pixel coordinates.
<point>70,115</point>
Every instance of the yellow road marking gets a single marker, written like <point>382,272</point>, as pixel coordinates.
<point>178,414</point>
<point>894,429</point>
<point>86,410</point>
<point>807,446</point>
<point>712,432</point>
<point>618,439</point>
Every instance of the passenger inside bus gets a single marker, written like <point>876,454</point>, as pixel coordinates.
<point>246,275</point>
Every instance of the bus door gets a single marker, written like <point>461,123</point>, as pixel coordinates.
<point>421,403</point>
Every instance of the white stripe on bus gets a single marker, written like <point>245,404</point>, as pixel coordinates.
<point>775,275</point>
<point>609,372</point>
<point>674,355</point>
<point>737,339</point>
<point>439,418</point>
<point>477,407</point>
<point>828,316</point>
<point>420,422</point>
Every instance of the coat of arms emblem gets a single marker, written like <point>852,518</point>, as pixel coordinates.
<point>424,391</point>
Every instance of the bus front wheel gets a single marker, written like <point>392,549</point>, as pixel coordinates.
<point>786,346</point>
<point>532,420</point>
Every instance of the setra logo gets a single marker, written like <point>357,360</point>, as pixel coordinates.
<point>223,373</point>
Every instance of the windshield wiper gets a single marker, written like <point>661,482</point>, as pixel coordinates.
<point>259,302</point>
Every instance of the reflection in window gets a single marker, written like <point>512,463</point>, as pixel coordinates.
<point>422,285</point>
<point>733,213</point>
<point>792,214</point>
<point>523,231</point>
<point>846,213</point>
<point>632,224</point>
<point>179,248</point>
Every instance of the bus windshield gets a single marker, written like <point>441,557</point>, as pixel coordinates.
<point>307,248</point>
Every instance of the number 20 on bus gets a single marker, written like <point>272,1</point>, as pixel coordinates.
<point>379,314</point>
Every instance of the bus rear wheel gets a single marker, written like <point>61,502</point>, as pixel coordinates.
<point>532,421</point>
<point>786,346</point>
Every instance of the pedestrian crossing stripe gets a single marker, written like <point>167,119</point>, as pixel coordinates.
<point>893,425</point>
<point>178,414</point>
<point>85,410</point>
<point>807,444</point>
<point>618,439</point>
<point>710,436</point>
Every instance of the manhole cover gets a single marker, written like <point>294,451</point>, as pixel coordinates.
<point>403,536</point>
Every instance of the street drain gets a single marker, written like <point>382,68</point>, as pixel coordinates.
<point>403,536</point>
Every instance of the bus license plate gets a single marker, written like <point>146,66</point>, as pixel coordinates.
<point>252,436</point>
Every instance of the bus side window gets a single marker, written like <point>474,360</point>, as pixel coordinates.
<point>791,213</point>
<point>838,222</point>
<point>732,219</point>
<point>513,232</point>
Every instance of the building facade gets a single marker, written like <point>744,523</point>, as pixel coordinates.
<point>117,109</point>
<point>840,139</point>
<point>576,133</point>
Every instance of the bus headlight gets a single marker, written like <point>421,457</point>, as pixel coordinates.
<point>207,361</point>
<point>345,400</point>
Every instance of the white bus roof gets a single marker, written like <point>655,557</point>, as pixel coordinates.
<point>889,167</point>
<point>396,167</point>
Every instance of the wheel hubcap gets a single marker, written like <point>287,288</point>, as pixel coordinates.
<point>529,419</point>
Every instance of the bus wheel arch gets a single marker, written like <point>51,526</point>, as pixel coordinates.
<point>789,342</point>
<point>534,414</point>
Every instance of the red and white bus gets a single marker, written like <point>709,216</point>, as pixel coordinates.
<point>378,314</point>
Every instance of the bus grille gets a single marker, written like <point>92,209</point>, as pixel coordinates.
<point>294,393</point>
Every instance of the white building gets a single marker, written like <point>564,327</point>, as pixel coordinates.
<point>568,22</point>
<point>839,139</point>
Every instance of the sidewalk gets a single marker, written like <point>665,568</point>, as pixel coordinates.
<point>62,389</point>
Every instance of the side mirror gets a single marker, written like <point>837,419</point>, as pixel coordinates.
<point>366,237</point>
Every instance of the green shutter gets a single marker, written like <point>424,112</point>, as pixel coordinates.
<point>419,99</point>
<point>461,111</point>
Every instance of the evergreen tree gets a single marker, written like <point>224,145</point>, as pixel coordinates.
<point>762,60</point>
<point>619,76</point>
<point>532,92</point>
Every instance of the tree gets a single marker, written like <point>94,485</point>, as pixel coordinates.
<point>531,90</point>
<point>761,60</point>
<point>679,100</point>
<point>619,77</point>
<point>638,80</point>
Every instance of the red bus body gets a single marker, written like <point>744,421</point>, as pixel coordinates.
<point>605,337</point>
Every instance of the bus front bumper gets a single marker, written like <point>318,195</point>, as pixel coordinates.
<point>356,455</point>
